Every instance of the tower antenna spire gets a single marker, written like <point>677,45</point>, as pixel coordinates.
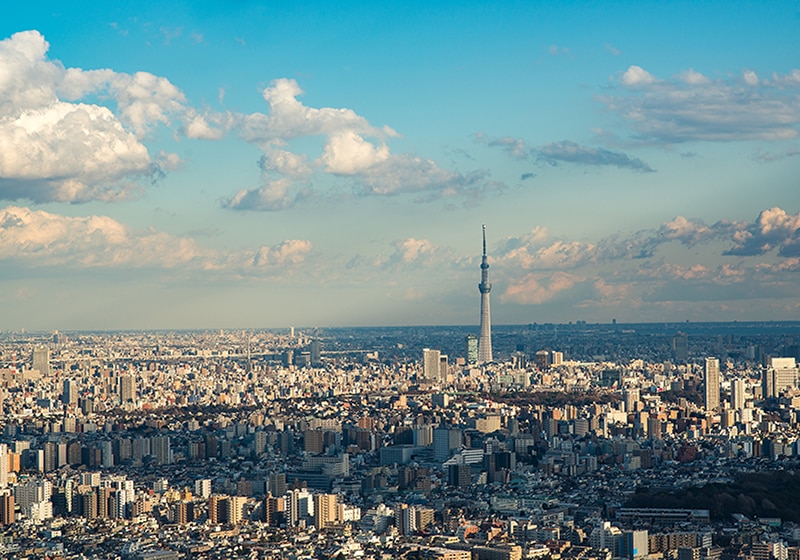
<point>484,240</point>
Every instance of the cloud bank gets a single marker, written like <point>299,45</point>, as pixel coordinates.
<point>36,239</point>
<point>693,107</point>
<point>734,260</point>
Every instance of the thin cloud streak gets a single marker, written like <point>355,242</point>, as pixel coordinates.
<point>566,151</point>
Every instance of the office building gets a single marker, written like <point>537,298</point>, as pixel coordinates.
<point>41,360</point>
<point>737,393</point>
<point>780,374</point>
<point>680,347</point>
<point>445,442</point>
<point>160,450</point>
<point>69,395</point>
<point>316,353</point>
<point>431,365</point>
<point>276,484</point>
<point>127,389</point>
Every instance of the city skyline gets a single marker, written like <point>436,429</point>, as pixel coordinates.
<point>247,166</point>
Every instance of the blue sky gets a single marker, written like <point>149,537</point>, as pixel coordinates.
<point>259,164</point>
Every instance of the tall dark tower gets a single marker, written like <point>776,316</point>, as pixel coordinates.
<point>485,340</point>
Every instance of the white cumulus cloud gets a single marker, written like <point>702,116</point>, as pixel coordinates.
<point>56,146</point>
<point>637,76</point>
<point>347,153</point>
<point>291,251</point>
<point>352,149</point>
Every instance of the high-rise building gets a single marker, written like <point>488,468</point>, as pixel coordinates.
<point>431,365</point>
<point>472,348</point>
<point>259,442</point>
<point>780,375</point>
<point>6,509</point>
<point>127,388</point>
<point>680,347</point>
<point>235,509</point>
<point>316,353</point>
<point>275,510</point>
<point>459,476</point>
<point>305,501</point>
<point>215,512</point>
<point>276,484</point>
<point>405,519</point>
<point>69,395</point>
<point>3,465</point>
<point>445,441</point>
<point>635,544</point>
<point>41,360</point>
<point>485,340</point>
<point>711,400</point>
<point>160,450</point>
<point>443,368</point>
<point>202,487</point>
<point>631,396</point>
<point>325,510</point>
<point>737,393</point>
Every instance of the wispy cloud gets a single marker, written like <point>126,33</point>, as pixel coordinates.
<point>565,151</point>
<point>691,106</point>
<point>171,33</point>
<point>764,156</point>
<point>570,152</point>
<point>276,195</point>
<point>555,50</point>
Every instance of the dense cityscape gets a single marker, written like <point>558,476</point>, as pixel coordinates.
<point>397,442</point>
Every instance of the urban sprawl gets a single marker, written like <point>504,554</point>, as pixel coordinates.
<point>577,441</point>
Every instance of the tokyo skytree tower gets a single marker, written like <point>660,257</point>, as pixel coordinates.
<point>485,339</point>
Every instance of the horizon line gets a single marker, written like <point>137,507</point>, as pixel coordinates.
<point>462,326</point>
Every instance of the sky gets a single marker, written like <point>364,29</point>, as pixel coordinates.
<point>244,164</point>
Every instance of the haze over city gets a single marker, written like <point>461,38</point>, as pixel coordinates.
<point>246,164</point>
